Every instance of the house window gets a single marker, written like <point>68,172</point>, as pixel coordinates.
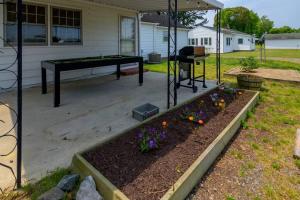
<point>128,37</point>
<point>202,41</point>
<point>190,42</point>
<point>193,41</point>
<point>240,41</point>
<point>210,41</point>
<point>66,26</point>
<point>205,41</point>
<point>228,41</point>
<point>34,24</point>
<point>165,36</point>
<point>196,41</point>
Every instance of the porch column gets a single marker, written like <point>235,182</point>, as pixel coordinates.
<point>19,96</point>
<point>172,53</point>
<point>218,47</point>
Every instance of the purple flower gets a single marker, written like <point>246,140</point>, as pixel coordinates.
<point>140,135</point>
<point>163,135</point>
<point>152,144</point>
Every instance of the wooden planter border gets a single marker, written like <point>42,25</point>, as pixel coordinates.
<point>188,180</point>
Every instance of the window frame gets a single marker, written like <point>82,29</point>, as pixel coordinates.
<point>5,22</point>
<point>206,41</point>
<point>193,41</point>
<point>167,37</point>
<point>51,7</point>
<point>228,41</point>
<point>209,41</point>
<point>135,40</point>
<point>240,39</point>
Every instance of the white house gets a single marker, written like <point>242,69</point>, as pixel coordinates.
<point>86,28</point>
<point>56,29</point>
<point>154,35</point>
<point>231,40</point>
<point>283,41</point>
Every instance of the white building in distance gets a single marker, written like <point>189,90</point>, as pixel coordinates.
<point>231,40</point>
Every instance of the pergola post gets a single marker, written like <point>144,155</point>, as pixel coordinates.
<point>19,95</point>
<point>218,47</point>
<point>172,53</point>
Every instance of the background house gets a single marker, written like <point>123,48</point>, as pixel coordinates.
<point>55,29</point>
<point>283,41</point>
<point>154,35</point>
<point>231,40</point>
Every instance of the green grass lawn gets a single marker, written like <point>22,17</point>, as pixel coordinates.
<point>291,53</point>
<point>226,64</point>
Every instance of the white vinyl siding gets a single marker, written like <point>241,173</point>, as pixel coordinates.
<point>283,44</point>
<point>100,36</point>
<point>152,36</point>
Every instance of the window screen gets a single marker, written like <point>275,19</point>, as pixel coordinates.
<point>34,24</point>
<point>66,26</point>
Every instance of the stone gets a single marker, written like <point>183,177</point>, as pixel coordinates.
<point>53,194</point>
<point>87,190</point>
<point>68,182</point>
<point>297,145</point>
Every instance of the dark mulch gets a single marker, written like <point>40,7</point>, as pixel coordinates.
<point>150,175</point>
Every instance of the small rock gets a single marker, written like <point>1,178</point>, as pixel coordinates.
<point>68,182</point>
<point>87,190</point>
<point>53,194</point>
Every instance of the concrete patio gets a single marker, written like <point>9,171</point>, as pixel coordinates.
<point>90,111</point>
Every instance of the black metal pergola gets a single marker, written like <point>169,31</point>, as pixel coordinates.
<point>172,51</point>
<point>19,96</point>
<point>172,70</point>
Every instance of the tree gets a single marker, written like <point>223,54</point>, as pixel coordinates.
<point>191,18</point>
<point>284,29</point>
<point>264,26</point>
<point>240,19</point>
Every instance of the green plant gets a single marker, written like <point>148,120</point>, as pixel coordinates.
<point>276,165</point>
<point>150,139</point>
<point>244,124</point>
<point>297,163</point>
<point>230,198</point>
<point>248,64</point>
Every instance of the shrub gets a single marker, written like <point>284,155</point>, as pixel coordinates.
<point>248,64</point>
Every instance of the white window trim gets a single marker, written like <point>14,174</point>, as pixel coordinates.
<point>51,43</point>
<point>27,44</point>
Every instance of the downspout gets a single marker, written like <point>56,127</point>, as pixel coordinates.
<point>139,32</point>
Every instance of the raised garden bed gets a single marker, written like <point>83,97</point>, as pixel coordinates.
<point>181,144</point>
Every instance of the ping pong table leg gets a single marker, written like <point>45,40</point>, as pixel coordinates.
<point>56,88</point>
<point>141,73</point>
<point>118,71</point>
<point>44,81</point>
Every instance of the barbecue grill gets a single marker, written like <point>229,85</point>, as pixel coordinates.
<point>190,57</point>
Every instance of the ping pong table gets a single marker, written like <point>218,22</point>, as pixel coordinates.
<point>58,66</point>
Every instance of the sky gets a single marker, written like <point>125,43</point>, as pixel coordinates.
<point>282,12</point>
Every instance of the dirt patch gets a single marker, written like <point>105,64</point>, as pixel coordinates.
<point>292,76</point>
<point>150,175</point>
<point>231,176</point>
